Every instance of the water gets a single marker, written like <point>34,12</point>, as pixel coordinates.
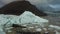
<point>53,13</point>
<point>53,17</point>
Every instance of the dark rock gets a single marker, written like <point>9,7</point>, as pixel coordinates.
<point>18,7</point>
<point>28,32</point>
<point>16,25</point>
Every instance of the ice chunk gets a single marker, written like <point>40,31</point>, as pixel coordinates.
<point>38,29</point>
<point>1,32</point>
<point>29,17</point>
<point>54,27</point>
<point>57,32</point>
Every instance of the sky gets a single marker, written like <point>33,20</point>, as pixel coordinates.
<point>39,3</point>
<point>35,2</point>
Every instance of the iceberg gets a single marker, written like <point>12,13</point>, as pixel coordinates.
<point>25,18</point>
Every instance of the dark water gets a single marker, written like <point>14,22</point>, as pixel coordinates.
<point>53,20</point>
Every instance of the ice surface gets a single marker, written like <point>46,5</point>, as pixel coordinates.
<point>26,17</point>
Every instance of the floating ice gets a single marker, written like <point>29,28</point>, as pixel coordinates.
<point>54,27</point>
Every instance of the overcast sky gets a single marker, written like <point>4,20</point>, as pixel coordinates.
<point>43,3</point>
<point>2,2</point>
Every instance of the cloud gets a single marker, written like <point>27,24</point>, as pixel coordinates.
<point>6,1</point>
<point>32,1</point>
